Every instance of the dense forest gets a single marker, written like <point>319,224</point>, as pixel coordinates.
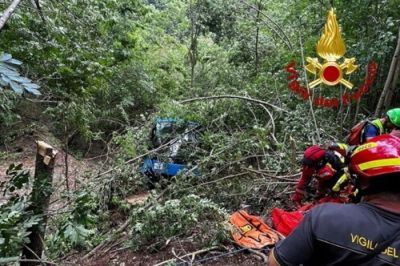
<point>91,78</point>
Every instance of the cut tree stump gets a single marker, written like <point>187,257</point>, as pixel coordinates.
<point>40,198</point>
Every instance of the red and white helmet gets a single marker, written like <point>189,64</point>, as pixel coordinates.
<point>379,156</point>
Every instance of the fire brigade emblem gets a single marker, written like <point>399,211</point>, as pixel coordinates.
<point>333,70</point>
<point>331,48</point>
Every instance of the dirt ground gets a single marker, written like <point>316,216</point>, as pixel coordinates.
<point>23,150</point>
<point>168,256</point>
<point>244,259</point>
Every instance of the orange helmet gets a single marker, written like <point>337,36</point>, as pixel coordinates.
<point>379,156</point>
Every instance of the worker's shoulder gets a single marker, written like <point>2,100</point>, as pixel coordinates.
<point>333,206</point>
<point>330,219</point>
<point>334,212</point>
<point>359,214</point>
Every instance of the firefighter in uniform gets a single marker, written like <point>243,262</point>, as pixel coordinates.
<point>382,125</point>
<point>327,166</point>
<point>367,233</point>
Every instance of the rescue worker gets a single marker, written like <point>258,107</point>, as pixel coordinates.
<point>382,125</point>
<point>366,233</point>
<point>327,165</point>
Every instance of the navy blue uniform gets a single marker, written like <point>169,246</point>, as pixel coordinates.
<point>341,234</point>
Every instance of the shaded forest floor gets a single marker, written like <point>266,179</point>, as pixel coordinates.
<point>218,257</point>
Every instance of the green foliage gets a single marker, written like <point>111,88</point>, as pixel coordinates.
<point>8,118</point>
<point>185,216</point>
<point>77,229</point>
<point>298,124</point>
<point>116,186</point>
<point>75,116</point>
<point>18,178</point>
<point>175,110</point>
<point>14,224</point>
<point>126,143</point>
<point>93,72</point>
<point>15,217</point>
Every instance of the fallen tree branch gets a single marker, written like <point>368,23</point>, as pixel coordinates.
<point>119,230</point>
<point>177,257</point>
<point>28,262</point>
<point>184,256</point>
<point>284,177</point>
<point>140,156</point>
<point>260,254</point>
<point>103,244</point>
<point>216,180</point>
<point>232,97</point>
<point>17,259</point>
<point>272,122</point>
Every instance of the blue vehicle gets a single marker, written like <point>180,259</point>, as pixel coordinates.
<point>180,139</point>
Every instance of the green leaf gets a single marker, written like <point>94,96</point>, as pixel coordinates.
<point>20,79</point>
<point>3,82</point>
<point>83,231</point>
<point>5,57</point>
<point>16,88</point>
<point>8,66</point>
<point>33,91</point>
<point>71,234</point>
<point>6,71</point>
<point>31,85</point>
<point>14,62</point>
<point>5,79</point>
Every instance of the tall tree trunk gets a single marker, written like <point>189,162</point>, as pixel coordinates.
<point>257,59</point>
<point>8,12</point>
<point>194,34</point>
<point>389,80</point>
<point>390,94</point>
